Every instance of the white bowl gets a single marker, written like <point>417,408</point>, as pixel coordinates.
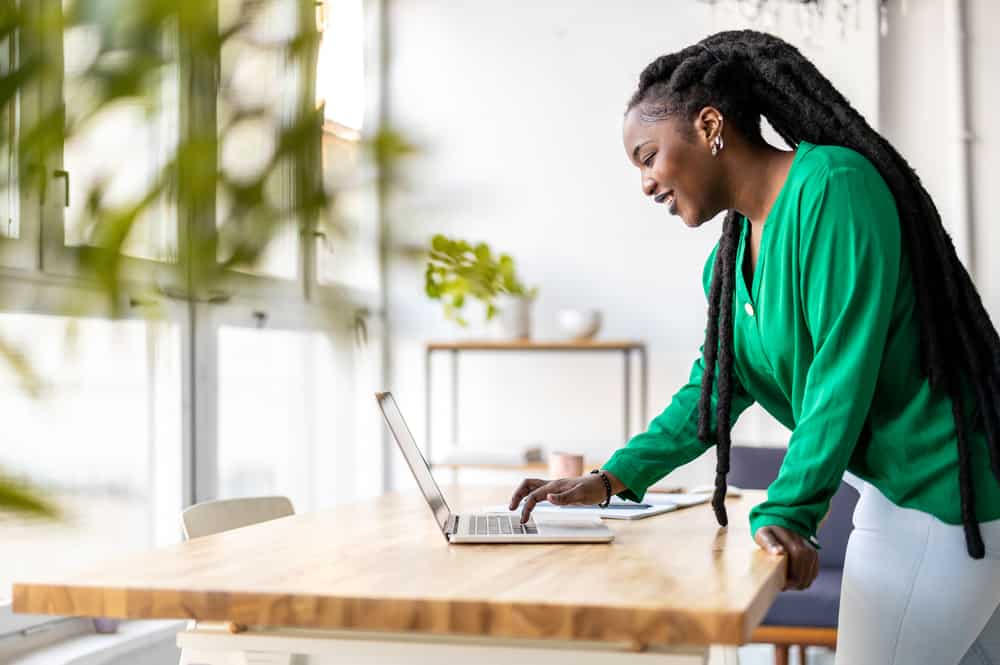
<point>579,323</point>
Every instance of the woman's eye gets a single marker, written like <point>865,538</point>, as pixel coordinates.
<point>649,160</point>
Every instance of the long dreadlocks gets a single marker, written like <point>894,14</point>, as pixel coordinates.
<point>746,74</point>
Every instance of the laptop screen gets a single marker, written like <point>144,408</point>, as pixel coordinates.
<point>418,465</point>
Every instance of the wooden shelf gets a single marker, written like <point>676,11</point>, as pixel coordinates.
<point>627,348</point>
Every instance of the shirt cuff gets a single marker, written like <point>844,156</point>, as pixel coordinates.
<point>774,520</point>
<point>629,477</point>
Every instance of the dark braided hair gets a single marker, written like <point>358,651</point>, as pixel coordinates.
<point>747,74</point>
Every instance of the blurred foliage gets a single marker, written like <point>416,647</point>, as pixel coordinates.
<point>18,497</point>
<point>227,214</point>
<point>456,269</point>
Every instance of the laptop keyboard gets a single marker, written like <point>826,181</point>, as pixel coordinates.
<point>497,525</point>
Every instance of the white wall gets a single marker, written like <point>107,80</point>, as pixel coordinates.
<point>919,117</point>
<point>984,88</point>
<point>519,107</point>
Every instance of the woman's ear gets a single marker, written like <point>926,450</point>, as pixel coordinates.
<point>708,124</point>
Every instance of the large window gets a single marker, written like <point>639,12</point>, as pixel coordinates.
<point>102,438</point>
<point>120,150</point>
<point>9,203</point>
<point>349,253</point>
<point>249,58</point>
<point>300,421</point>
<point>174,397</point>
<point>19,215</point>
<point>340,71</point>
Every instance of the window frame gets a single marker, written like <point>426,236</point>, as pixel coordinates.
<point>22,253</point>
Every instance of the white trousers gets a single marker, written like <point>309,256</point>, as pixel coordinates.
<point>911,595</point>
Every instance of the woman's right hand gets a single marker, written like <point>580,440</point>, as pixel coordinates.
<point>581,490</point>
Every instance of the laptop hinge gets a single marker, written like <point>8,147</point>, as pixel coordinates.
<point>452,526</point>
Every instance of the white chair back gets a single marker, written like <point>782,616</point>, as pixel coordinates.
<point>210,517</point>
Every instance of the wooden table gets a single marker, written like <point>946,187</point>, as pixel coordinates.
<point>376,582</point>
<point>624,347</point>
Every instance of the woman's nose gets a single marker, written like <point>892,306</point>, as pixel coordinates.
<point>648,186</point>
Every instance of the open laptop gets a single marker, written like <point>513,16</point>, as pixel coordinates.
<point>484,527</point>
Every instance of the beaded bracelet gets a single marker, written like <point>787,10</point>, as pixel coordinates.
<point>607,488</point>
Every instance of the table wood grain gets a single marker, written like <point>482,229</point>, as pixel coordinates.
<point>383,565</point>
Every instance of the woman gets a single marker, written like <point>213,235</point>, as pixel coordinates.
<point>836,301</point>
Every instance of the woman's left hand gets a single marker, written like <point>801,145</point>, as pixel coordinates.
<point>803,559</point>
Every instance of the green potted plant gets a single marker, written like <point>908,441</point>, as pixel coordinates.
<point>457,270</point>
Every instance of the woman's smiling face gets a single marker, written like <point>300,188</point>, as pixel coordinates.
<point>675,163</point>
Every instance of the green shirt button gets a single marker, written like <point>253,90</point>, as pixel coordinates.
<point>749,309</point>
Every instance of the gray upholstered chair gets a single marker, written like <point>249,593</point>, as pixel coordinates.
<point>800,617</point>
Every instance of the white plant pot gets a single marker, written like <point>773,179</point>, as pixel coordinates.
<point>513,320</point>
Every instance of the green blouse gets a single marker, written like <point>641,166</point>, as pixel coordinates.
<point>826,338</point>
